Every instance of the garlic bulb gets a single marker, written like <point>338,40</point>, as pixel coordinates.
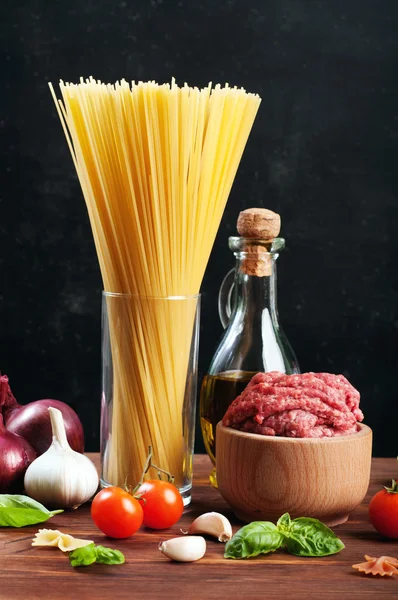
<point>61,477</point>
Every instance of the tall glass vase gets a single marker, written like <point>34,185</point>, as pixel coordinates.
<point>149,383</point>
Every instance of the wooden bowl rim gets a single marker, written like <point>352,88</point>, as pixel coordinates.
<point>364,430</point>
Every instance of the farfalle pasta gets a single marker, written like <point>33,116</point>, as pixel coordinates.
<point>64,541</point>
<point>384,565</point>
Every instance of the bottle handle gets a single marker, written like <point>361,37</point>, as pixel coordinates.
<point>224,297</point>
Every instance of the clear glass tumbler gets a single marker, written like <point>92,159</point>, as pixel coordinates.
<point>149,384</point>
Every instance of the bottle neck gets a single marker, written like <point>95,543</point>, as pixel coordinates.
<point>254,295</point>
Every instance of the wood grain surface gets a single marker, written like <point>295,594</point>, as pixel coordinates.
<point>32,573</point>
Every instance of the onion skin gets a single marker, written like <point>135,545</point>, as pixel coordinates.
<point>32,422</point>
<point>16,454</point>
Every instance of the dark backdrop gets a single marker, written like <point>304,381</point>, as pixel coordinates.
<point>323,153</point>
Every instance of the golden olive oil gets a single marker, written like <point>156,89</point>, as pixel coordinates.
<point>216,394</point>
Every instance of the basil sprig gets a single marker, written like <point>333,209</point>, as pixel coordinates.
<point>18,511</point>
<point>87,555</point>
<point>303,537</point>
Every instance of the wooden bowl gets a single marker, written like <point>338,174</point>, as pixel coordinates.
<point>262,477</point>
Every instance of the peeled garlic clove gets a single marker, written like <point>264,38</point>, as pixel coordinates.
<point>184,549</point>
<point>212,523</point>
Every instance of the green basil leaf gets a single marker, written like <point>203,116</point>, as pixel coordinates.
<point>18,501</point>
<point>259,537</point>
<point>107,556</point>
<point>310,537</point>
<point>284,524</point>
<point>82,557</point>
<point>19,511</point>
<point>87,555</point>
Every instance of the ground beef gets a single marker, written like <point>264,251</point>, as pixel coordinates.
<point>307,405</point>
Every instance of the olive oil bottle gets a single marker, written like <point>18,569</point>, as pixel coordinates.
<point>253,341</point>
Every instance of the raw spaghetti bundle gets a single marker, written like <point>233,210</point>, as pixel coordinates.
<point>156,164</point>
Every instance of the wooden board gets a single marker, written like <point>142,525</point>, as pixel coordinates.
<point>34,573</point>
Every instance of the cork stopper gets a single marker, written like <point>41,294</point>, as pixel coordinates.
<point>259,224</point>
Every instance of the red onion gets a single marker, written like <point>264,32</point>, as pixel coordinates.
<point>16,454</point>
<point>32,421</point>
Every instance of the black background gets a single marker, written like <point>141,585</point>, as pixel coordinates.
<point>323,153</point>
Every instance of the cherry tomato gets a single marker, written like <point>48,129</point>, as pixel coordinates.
<point>161,502</point>
<point>116,512</point>
<point>383,511</point>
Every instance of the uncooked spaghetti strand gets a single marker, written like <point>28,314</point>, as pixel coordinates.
<point>101,141</point>
<point>139,199</point>
<point>245,114</point>
<point>85,148</point>
<point>213,211</point>
<point>194,180</point>
<point>160,202</point>
<point>93,214</point>
<point>129,208</point>
<point>239,142</point>
<point>173,153</point>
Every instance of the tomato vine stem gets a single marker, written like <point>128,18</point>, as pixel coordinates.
<point>393,489</point>
<point>150,465</point>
